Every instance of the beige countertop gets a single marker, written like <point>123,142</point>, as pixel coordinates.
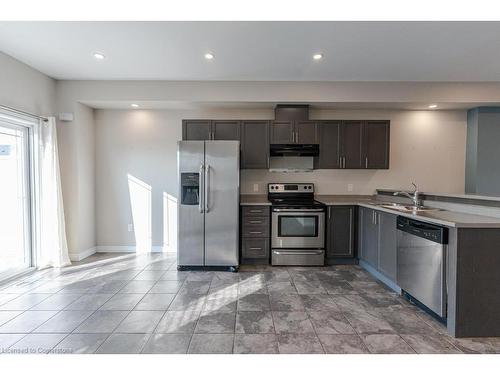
<point>440,217</point>
<point>254,200</point>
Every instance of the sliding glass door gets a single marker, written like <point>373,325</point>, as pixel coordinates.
<point>15,193</point>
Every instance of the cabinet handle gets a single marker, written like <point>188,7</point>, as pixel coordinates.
<point>344,163</point>
<point>255,211</point>
<point>366,162</point>
<point>256,248</point>
<point>255,232</point>
<point>255,221</point>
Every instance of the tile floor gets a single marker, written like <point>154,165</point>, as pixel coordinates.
<point>124,303</point>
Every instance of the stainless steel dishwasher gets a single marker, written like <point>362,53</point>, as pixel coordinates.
<point>421,260</point>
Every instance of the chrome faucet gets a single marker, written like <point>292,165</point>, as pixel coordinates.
<point>414,196</point>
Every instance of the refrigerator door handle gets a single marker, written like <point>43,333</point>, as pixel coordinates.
<point>200,182</point>
<point>207,188</point>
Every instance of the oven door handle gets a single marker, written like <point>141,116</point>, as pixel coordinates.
<point>298,210</point>
<point>309,252</point>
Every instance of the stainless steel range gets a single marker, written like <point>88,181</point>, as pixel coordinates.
<point>297,225</point>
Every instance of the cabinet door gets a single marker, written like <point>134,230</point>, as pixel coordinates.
<point>226,130</point>
<point>196,130</point>
<point>350,136</point>
<point>306,132</point>
<point>282,132</point>
<point>376,145</point>
<point>387,244</point>
<point>329,145</point>
<point>369,237</point>
<point>254,144</point>
<point>340,240</point>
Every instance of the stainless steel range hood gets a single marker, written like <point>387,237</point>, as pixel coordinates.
<point>299,150</point>
<point>292,157</point>
<point>291,164</point>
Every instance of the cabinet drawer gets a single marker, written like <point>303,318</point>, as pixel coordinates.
<point>255,211</point>
<point>256,230</point>
<point>256,220</point>
<point>255,248</point>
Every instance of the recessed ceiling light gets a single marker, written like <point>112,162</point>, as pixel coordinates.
<point>317,56</point>
<point>209,56</point>
<point>432,106</point>
<point>99,56</point>
<point>133,105</point>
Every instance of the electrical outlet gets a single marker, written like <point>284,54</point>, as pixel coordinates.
<point>255,187</point>
<point>131,227</point>
<point>350,187</point>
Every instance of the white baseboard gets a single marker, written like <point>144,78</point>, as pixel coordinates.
<point>131,249</point>
<point>76,257</point>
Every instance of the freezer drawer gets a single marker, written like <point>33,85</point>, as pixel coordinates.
<point>296,257</point>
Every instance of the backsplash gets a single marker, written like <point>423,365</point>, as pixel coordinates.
<point>338,181</point>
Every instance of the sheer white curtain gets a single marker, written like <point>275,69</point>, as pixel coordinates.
<point>52,245</point>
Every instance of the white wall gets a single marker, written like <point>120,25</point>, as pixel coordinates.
<point>426,147</point>
<point>77,162</point>
<point>25,88</point>
<point>142,144</point>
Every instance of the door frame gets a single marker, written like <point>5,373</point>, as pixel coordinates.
<point>29,125</point>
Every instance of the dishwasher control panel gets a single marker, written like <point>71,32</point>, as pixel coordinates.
<point>431,232</point>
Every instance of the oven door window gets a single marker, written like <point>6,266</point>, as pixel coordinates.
<point>297,226</point>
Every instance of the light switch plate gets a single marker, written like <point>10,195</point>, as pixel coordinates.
<point>350,187</point>
<point>255,187</point>
<point>131,227</point>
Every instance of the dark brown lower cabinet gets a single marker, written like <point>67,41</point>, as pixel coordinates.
<point>387,244</point>
<point>254,232</point>
<point>378,240</point>
<point>341,232</point>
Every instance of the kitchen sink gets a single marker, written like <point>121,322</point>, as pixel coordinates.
<point>407,208</point>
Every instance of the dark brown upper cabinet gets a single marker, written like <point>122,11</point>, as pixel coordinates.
<point>226,130</point>
<point>282,132</point>
<point>287,132</point>
<point>354,144</point>
<point>343,144</point>
<point>306,132</point>
<point>376,144</point>
<point>254,144</point>
<point>329,145</point>
<point>196,130</point>
<point>350,144</point>
<point>206,130</point>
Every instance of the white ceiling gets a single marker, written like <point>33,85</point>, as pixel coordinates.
<point>259,51</point>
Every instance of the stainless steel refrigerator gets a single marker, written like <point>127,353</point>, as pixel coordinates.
<point>208,203</point>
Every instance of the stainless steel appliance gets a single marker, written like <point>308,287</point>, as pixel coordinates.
<point>421,263</point>
<point>297,225</point>
<point>208,203</point>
